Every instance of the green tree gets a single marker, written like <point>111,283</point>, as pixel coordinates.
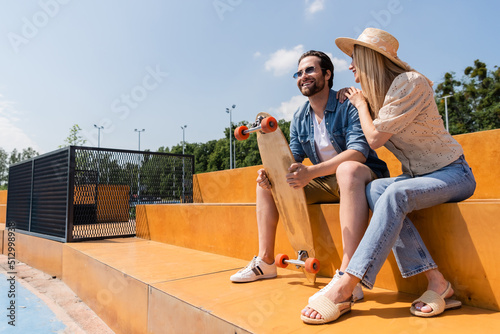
<point>14,157</point>
<point>28,153</point>
<point>4,167</point>
<point>74,138</point>
<point>214,155</point>
<point>474,104</point>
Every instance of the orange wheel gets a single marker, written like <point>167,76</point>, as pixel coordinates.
<point>280,260</point>
<point>238,133</point>
<point>312,265</point>
<point>269,124</point>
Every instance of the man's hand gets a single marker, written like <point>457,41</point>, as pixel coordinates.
<point>341,94</point>
<point>298,176</point>
<point>262,179</point>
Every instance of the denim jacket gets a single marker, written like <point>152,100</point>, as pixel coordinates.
<point>342,123</point>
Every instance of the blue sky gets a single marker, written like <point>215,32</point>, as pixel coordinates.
<point>159,65</point>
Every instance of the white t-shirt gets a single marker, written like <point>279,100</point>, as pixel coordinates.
<point>324,146</point>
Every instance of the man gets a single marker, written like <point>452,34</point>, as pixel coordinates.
<point>330,135</point>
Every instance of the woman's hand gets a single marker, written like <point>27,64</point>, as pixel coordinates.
<point>298,176</point>
<point>356,97</point>
<point>262,179</point>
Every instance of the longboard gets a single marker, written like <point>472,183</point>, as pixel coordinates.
<point>291,203</point>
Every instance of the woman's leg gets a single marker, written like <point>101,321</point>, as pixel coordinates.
<point>391,200</point>
<point>390,227</point>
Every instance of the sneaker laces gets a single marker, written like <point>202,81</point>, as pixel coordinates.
<point>250,266</point>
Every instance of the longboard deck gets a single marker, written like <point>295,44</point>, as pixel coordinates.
<point>291,203</point>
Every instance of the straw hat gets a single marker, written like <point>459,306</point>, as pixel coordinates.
<point>375,39</point>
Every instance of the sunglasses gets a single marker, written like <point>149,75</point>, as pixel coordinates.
<point>308,70</point>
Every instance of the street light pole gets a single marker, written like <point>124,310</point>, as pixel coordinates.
<point>139,131</point>
<point>139,168</point>
<point>446,110</point>
<point>98,135</point>
<point>183,140</point>
<point>229,111</point>
<point>183,170</point>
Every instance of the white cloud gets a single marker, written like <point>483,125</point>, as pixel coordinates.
<point>339,65</point>
<point>11,136</point>
<point>315,6</point>
<point>257,54</point>
<point>288,108</point>
<point>284,61</point>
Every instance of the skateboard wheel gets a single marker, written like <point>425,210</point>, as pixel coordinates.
<point>312,265</point>
<point>269,124</point>
<point>238,133</point>
<point>280,260</point>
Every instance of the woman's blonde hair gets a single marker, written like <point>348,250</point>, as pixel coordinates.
<point>376,74</point>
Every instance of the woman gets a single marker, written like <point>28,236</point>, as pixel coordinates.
<point>397,110</point>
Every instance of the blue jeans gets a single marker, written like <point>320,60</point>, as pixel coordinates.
<point>391,199</point>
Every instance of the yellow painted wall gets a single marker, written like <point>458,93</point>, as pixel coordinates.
<point>3,207</point>
<point>482,152</point>
<point>238,185</point>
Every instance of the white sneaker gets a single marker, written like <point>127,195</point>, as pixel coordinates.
<point>255,270</point>
<point>357,294</point>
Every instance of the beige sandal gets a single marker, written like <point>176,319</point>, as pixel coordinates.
<point>328,310</point>
<point>436,302</point>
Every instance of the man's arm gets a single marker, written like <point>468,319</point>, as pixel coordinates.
<point>300,175</point>
<point>357,149</point>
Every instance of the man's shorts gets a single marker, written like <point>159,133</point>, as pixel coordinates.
<point>325,189</point>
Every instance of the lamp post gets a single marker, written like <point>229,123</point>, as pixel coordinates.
<point>139,131</point>
<point>446,110</point>
<point>183,141</point>
<point>183,172</point>
<point>98,135</point>
<point>229,111</point>
<point>139,167</point>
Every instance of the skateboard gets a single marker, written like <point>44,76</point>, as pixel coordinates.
<point>291,203</point>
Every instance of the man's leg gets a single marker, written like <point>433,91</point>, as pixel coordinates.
<point>348,187</point>
<point>262,266</point>
<point>267,222</point>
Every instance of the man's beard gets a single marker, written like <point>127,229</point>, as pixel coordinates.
<point>313,89</point>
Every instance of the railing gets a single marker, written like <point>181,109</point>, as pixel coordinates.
<point>81,193</point>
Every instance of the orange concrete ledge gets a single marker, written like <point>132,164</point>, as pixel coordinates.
<point>3,206</point>
<point>481,152</point>
<point>238,185</point>
<point>461,236</point>
<point>140,286</point>
<point>43,254</point>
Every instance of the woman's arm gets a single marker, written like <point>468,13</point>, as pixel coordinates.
<point>374,138</point>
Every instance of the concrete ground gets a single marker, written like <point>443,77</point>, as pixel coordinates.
<point>43,304</point>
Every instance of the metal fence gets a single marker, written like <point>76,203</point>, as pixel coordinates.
<point>81,193</point>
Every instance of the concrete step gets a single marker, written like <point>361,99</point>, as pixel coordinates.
<point>461,237</point>
<point>134,284</point>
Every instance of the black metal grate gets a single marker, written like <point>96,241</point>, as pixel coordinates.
<point>81,193</point>
<point>19,195</point>
<point>50,195</point>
